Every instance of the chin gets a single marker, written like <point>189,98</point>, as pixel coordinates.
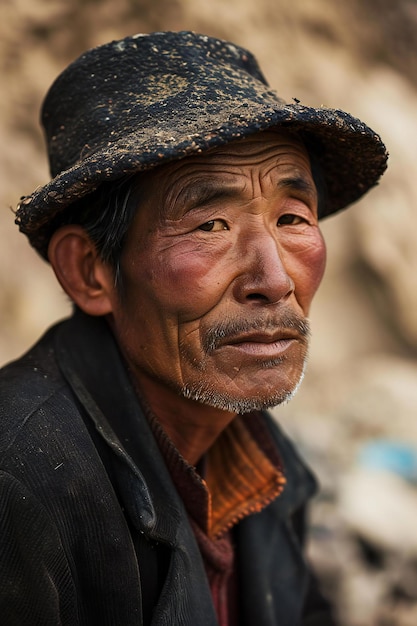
<point>236,404</point>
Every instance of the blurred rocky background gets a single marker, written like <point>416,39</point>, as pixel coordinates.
<point>355,416</point>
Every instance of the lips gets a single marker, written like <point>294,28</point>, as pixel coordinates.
<point>279,331</point>
<point>261,337</point>
<point>262,344</point>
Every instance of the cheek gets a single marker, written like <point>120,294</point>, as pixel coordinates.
<point>192,279</point>
<point>310,263</point>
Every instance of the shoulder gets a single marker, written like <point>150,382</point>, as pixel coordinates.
<point>27,386</point>
<point>41,423</point>
<point>37,370</point>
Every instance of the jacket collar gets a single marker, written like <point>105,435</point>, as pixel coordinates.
<point>90,361</point>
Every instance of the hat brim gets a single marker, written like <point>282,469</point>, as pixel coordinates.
<point>351,155</point>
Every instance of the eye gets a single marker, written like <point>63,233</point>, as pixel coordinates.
<point>290,219</point>
<point>213,226</point>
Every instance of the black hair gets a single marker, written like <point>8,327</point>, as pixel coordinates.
<point>106,214</point>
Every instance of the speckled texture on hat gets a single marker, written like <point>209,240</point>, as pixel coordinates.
<point>133,104</point>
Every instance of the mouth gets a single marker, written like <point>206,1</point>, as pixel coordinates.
<point>262,344</point>
<point>269,337</point>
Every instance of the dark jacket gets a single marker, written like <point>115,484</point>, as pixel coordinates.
<point>92,530</point>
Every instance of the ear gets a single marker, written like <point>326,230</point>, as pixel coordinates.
<point>81,273</point>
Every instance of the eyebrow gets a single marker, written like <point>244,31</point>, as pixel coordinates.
<point>298,183</point>
<point>204,192</point>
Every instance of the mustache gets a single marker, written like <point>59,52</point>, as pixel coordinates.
<point>228,330</point>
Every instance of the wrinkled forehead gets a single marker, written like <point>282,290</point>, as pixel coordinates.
<point>226,171</point>
<point>282,145</point>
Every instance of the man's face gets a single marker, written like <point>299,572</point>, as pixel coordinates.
<point>219,269</point>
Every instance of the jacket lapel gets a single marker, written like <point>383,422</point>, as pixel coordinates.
<point>92,365</point>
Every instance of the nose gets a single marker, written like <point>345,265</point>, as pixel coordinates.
<point>263,276</point>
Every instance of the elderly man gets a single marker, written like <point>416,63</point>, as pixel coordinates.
<point>142,480</point>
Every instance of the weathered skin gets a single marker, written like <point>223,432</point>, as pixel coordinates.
<point>219,270</point>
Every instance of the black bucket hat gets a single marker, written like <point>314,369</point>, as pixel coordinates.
<point>133,104</point>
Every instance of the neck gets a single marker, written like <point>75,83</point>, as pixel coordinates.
<point>192,427</point>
